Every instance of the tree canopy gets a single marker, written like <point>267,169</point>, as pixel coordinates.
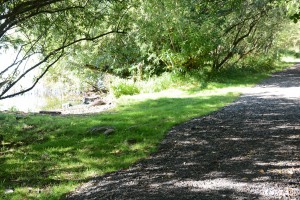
<point>124,36</point>
<point>42,32</point>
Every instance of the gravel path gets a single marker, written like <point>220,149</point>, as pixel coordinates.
<point>247,150</point>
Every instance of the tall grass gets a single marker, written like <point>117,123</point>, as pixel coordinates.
<point>122,87</point>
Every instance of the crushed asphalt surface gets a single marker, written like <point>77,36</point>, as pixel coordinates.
<point>247,150</point>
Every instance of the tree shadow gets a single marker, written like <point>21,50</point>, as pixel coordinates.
<point>248,150</point>
<point>35,156</point>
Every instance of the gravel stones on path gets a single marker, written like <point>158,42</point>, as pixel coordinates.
<point>247,150</point>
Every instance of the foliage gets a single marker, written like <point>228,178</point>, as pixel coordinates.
<point>181,36</point>
<point>177,36</point>
<point>166,81</point>
<point>291,32</point>
<point>43,32</point>
<point>124,87</point>
<point>220,31</point>
<point>160,83</point>
<point>294,10</point>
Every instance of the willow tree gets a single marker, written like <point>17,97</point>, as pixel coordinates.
<point>218,32</point>
<point>42,32</point>
<point>188,35</point>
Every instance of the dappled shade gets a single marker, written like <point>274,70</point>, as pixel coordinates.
<point>249,149</point>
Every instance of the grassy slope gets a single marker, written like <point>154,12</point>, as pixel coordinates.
<point>43,157</point>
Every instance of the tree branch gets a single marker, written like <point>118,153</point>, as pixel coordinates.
<point>65,45</point>
<point>27,10</point>
<point>238,39</point>
<point>35,82</point>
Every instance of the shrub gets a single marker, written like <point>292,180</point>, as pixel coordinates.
<point>158,83</point>
<point>124,87</point>
<point>258,64</point>
<point>121,87</point>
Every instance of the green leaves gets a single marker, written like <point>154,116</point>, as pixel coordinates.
<point>170,35</point>
<point>185,35</point>
<point>295,17</point>
<point>47,31</point>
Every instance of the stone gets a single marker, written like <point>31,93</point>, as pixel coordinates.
<point>131,141</point>
<point>109,131</point>
<point>98,102</point>
<point>106,130</point>
<point>90,99</point>
<point>50,112</point>
<point>8,191</point>
<point>66,105</point>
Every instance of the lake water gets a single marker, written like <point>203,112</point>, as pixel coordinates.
<point>40,99</point>
<point>25,103</point>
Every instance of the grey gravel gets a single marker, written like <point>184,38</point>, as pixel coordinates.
<point>247,150</point>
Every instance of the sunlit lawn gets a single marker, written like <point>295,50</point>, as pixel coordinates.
<point>44,157</point>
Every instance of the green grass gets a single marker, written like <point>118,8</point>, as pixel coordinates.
<point>44,157</point>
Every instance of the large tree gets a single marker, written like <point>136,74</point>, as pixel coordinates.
<point>42,32</point>
<point>178,35</point>
<point>191,34</point>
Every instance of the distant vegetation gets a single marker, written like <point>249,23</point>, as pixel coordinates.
<point>138,40</point>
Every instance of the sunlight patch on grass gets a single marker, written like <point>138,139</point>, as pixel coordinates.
<point>58,153</point>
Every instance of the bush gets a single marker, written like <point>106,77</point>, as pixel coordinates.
<point>124,87</point>
<point>242,71</point>
<point>258,64</point>
<point>157,84</point>
<point>121,87</point>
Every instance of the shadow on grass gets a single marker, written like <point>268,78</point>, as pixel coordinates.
<point>54,151</point>
<point>231,154</point>
<point>249,150</point>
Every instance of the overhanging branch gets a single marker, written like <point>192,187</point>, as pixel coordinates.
<point>9,85</point>
<point>26,10</point>
<point>36,81</point>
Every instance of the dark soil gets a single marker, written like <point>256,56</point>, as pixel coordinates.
<point>247,150</point>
